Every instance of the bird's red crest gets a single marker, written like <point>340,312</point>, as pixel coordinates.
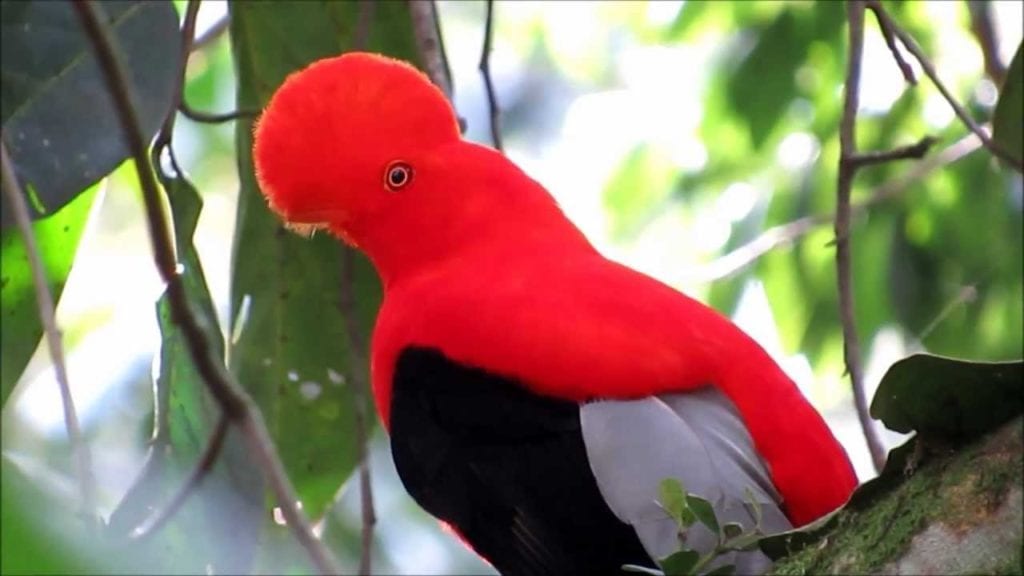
<point>331,129</point>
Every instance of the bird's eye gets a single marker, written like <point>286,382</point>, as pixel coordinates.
<point>397,176</point>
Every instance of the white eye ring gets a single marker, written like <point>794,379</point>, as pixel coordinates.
<point>397,175</point>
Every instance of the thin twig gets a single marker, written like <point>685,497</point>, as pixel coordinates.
<point>47,317</point>
<point>485,71</point>
<point>890,41</point>
<point>213,117</point>
<point>988,38</point>
<point>916,150</point>
<point>847,169</point>
<point>212,33</point>
<point>364,19</point>
<point>360,394</point>
<point>202,468</point>
<point>234,402</point>
<point>163,137</point>
<point>431,47</point>
<point>966,295</point>
<point>929,70</point>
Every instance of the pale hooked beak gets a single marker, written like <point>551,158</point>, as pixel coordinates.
<point>305,229</point>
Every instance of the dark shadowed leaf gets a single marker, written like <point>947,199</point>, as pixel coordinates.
<point>59,122</point>
<point>57,239</point>
<point>680,563</point>
<point>776,546</point>
<point>764,83</point>
<point>1008,123</point>
<point>948,398</point>
<point>289,338</point>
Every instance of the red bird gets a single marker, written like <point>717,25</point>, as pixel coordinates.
<point>536,393</point>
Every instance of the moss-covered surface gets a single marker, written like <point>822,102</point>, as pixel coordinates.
<point>959,491</point>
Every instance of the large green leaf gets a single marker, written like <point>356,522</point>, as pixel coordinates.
<point>948,398</point>
<point>26,536</point>
<point>59,122</point>
<point>765,81</point>
<point>220,524</point>
<point>289,343</point>
<point>1008,123</point>
<point>57,238</point>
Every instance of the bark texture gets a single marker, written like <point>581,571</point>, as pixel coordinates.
<point>947,512</point>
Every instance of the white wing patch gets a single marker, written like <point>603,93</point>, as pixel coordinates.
<point>697,437</point>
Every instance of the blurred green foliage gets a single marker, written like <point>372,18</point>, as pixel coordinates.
<point>938,262</point>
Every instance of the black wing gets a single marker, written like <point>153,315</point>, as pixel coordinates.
<point>506,467</point>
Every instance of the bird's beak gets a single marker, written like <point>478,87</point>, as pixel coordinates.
<point>307,223</point>
<point>305,229</point>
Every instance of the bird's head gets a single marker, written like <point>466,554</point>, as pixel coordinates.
<point>341,140</point>
<point>366,147</point>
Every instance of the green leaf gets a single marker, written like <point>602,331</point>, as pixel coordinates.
<point>289,338</point>
<point>57,238</point>
<point>26,538</point>
<point>672,497</point>
<point>949,398</point>
<point>59,122</point>
<point>704,512</point>
<point>680,563</point>
<point>763,85</point>
<point>1008,122</point>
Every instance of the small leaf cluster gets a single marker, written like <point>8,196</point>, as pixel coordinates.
<point>688,509</point>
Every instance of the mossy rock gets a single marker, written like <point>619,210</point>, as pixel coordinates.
<point>959,512</point>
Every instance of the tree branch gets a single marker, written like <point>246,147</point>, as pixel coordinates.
<point>235,403</point>
<point>929,70</point>
<point>213,117</point>
<point>485,70</point>
<point>916,150</point>
<point>988,39</point>
<point>360,394</point>
<point>426,28</point>
<point>163,137</point>
<point>890,41</point>
<point>847,169</point>
<point>47,317</point>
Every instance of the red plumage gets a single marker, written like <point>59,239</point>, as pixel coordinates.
<point>479,262</point>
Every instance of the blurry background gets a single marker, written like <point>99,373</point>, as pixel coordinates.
<point>672,134</point>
